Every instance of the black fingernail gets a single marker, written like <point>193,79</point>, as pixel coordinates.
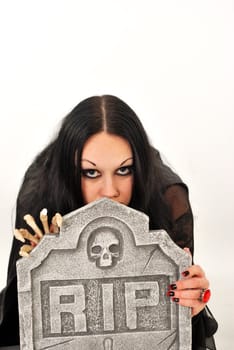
<point>176,300</point>
<point>185,273</point>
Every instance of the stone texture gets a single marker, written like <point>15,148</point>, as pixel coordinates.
<point>101,284</point>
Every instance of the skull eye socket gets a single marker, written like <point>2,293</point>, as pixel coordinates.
<point>114,248</point>
<point>96,249</point>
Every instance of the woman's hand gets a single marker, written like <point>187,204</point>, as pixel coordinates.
<point>192,290</point>
<point>24,235</point>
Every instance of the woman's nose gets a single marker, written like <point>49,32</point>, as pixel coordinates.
<point>109,188</point>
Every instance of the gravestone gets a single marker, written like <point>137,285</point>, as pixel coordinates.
<point>101,283</point>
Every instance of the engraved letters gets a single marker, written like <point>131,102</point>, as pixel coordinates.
<point>81,307</point>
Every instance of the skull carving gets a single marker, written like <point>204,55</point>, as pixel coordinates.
<point>104,247</point>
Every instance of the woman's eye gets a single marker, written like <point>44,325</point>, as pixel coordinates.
<point>125,170</point>
<point>91,173</point>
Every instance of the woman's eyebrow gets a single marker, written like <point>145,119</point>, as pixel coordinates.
<point>89,161</point>
<point>126,160</point>
<point>86,160</point>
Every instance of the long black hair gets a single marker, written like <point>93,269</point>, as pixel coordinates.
<point>54,178</point>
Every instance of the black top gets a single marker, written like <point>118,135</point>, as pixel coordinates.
<point>176,195</point>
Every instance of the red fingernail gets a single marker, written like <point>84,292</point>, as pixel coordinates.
<point>185,273</point>
<point>170,293</point>
<point>172,286</point>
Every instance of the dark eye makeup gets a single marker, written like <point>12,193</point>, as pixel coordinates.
<point>125,170</point>
<point>90,173</point>
<point>94,173</point>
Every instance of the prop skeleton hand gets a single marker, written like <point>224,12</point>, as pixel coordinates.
<point>23,234</point>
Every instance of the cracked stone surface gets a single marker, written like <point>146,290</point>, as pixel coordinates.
<point>101,283</point>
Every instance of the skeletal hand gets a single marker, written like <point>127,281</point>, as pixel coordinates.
<point>23,234</point>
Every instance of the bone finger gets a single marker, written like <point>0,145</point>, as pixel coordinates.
<point>44,220</point>
<point>31,222</point>
<point>56,223</point>
<point>54,226</point>
<point>59,219</point>
<point>22,234</point>
<point>25,250</point>
<point>18,235</point>
<point>27,235</point>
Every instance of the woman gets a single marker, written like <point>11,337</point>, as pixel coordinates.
<point>102,150</point>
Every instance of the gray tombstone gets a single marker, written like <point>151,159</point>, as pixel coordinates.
<point>101,284</point>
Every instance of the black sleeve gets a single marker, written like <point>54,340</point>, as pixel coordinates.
<point>167,176</point>
<point>27,200</point>
<point>177,199</point>
<point>203,328</point>
<point>176,195</point>
<point>9,318</point>
<point>204,324</point>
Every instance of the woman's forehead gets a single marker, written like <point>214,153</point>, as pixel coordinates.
<point>104,145</point>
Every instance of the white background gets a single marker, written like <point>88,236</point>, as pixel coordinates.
<point>171,61</point>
